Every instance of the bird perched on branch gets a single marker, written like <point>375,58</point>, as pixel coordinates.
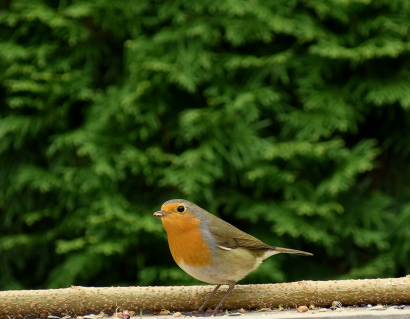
<point>210,249</point>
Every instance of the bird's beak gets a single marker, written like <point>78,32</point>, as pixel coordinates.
<point>160,213</point>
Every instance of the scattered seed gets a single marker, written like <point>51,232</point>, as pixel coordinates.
<point>379,307</point>
<point>302,309</point>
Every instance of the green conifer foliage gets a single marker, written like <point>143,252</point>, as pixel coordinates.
<point>288,118</point>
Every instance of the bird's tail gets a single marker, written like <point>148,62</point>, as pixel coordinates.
<point>291,251</point>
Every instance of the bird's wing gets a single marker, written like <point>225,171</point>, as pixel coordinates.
<point>230,237</point>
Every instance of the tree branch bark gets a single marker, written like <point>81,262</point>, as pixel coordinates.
<point>78,300</point>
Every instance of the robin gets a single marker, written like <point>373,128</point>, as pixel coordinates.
<point>210,249</point>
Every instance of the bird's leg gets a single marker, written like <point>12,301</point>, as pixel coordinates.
<point>209,298</point>
<point>231,286</point>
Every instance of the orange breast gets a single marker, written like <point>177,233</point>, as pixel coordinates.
<point>185,240</point>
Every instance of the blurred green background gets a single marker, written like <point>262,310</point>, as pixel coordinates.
<point>287,118</point>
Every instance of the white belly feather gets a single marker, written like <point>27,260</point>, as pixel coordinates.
<point>232,265</point>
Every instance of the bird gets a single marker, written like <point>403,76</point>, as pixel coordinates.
<point>210,249</point>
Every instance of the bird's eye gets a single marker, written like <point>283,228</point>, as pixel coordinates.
<point>181,209</point>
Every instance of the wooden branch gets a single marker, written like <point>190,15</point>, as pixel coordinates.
<point>78,300</point>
